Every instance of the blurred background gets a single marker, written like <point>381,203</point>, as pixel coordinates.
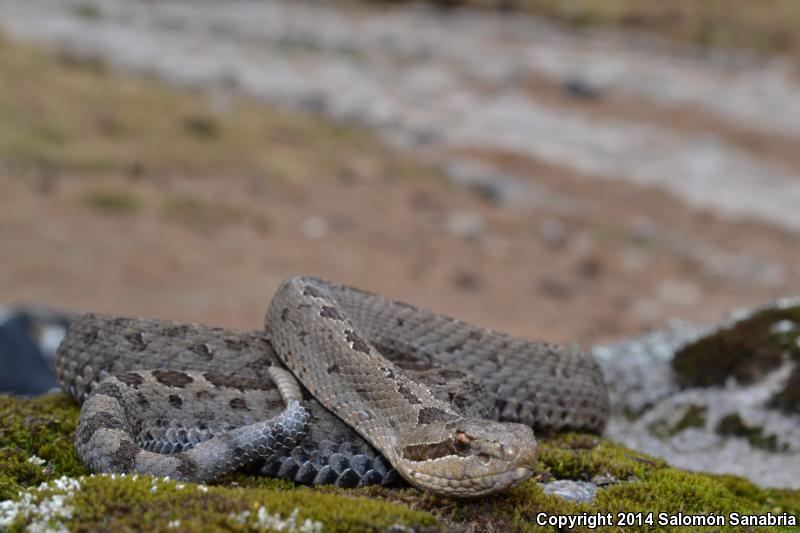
<point>568,170</point>
<point>577,170</point>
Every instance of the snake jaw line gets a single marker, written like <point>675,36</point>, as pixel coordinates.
<point>492,457</point>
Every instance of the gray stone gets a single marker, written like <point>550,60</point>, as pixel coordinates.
<point>576,491</point>
<point>650,412</point>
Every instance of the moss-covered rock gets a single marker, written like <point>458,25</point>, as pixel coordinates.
<point>43,483</point>
<point>747,350</point>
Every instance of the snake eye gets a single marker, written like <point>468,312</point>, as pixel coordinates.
<point>461,443</point>
<point>484,458</point>
<point>509,451</point>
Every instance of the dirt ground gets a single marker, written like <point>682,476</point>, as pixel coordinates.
<point>586,260</point>
<point>594,261</point>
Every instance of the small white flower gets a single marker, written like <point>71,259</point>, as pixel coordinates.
<point>240,518</point>
<point>35,460</point>
<point>269,521</point>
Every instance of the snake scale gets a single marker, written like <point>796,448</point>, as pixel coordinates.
<point>390,392</point>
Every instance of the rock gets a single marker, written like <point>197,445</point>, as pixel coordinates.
<point>643,231</point>
<point>28,340</point>
<point>581,89</point>
<point>637,370</point>
<point>465,225</point>
<point>678,292</point>
<point>704,398</point>
<point>466,280</point>
<point>494,186</point>
<point>576,491</point>
<point>746,350</point>
<point>315,227</point>
<point>553,233</point>
<point>554,288</point>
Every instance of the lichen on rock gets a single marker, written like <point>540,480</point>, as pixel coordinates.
<point>747,350</point>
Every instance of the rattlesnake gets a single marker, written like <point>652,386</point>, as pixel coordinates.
<point>194,402</point>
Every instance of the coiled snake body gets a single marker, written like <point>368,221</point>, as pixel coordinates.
<point>195,402</point>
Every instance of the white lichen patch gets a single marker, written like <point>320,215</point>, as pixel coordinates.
<point>48,507</point>
<point>262,519</point>
<point>44,509</point>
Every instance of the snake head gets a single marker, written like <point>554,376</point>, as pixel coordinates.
<point>471,457</point>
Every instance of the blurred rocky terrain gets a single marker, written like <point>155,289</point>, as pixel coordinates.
<point>720,398</point>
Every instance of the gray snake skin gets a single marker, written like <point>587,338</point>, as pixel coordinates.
<point>195,402</point>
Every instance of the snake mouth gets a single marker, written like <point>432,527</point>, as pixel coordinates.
<point>473,486</point>
<point>482,457</point>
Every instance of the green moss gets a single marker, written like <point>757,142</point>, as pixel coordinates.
<point>584,457</point>
<point>694,417</point>
<point>672,491</point>
<point>651,486</point>
<point>65,116</point>
<point>112,200</point>
<point>733,424</point>
<point>767,27</point>
<point>746,350</point>
<point>44,428</point>
<point>87,11</point>
<point>788,399</point>
<point>201,215</point>
<point>660,490</point>
<point>688,416</point>
<point>125,503</point>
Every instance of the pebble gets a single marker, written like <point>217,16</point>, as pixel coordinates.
<point>496,187</point>
<point>553,233</point>
<point>678,292</point>
<point>581,89</point>
<point>576,491</point>
<point>465,225</point>
<point>315,227</point>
